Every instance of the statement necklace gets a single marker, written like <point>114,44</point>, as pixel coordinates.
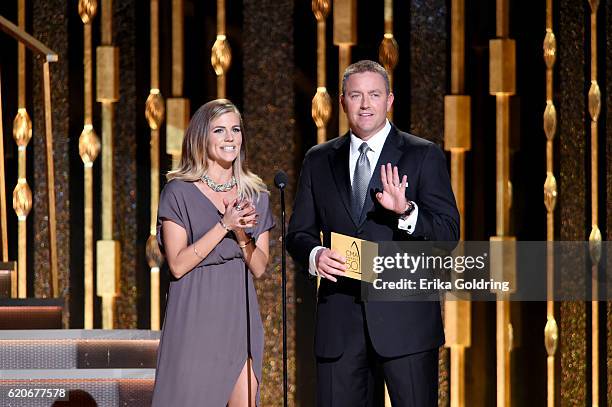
<point>219,187</point>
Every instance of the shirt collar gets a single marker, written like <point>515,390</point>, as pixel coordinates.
<point>376,142</point>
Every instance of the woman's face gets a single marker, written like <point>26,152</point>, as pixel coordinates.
<point>224,138</point>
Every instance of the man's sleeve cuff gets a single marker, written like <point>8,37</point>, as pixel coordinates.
<point>312,268</point>
<point>409,224</point>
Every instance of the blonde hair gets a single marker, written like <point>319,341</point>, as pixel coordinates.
<point>194,153</point>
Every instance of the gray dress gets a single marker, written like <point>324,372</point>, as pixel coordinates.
<point>211,324</point>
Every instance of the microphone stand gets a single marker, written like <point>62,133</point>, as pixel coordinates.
<point>281,180</point>
<point>284,294</point>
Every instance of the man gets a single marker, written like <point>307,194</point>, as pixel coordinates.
<point>379,184</point>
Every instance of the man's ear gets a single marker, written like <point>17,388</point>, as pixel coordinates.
<point>390,99</point>
<point>342,103</point>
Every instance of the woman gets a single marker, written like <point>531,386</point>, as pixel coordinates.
<point>212,227</point>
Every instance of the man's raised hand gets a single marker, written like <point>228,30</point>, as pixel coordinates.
<point>393,195</point>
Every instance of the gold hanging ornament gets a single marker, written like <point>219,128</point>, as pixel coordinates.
<point>388,52</point>
<point>89,145</point>
<point>594,100</point>
<point>22,199</point>
<point>155,109</point>
<point>221,57</point>
<point>321,107</point>
<point>87,10</point>
<point>154,255</point>
<point>320,8</point>
<point>550,49</point>
<point>22,128</point>
<point>550,120</point>
<point>550,192</point>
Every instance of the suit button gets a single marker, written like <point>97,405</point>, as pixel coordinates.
<point>359,231</point>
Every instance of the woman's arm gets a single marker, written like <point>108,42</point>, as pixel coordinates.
<point>181,257</point>
<point>256,254</point>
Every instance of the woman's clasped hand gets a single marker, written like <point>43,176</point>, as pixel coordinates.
<point>239,214</point>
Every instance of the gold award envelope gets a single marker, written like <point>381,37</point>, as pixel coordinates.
<point>359,255</point>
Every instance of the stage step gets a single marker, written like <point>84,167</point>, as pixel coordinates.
<point>31,313</point>
<point>80,387</point>
<point>78,349</point>
<point>93,367</point>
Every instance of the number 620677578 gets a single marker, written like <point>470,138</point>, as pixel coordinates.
<point>36,393</point>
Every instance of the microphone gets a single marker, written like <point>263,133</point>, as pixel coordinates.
<point>281,179</point>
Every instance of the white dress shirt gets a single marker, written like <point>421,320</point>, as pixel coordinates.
<point>376,143</point>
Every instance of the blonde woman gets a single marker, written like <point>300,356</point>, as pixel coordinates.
<point>213,222</point>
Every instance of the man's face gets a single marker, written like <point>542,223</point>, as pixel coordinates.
<point>366,103</point>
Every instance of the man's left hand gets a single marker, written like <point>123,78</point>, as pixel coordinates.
<point>393,195</point>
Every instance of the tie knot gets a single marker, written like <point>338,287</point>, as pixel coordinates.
<point>364,148</point>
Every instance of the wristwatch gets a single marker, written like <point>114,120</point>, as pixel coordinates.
<point>409,208</point>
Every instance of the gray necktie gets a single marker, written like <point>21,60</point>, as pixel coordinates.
<point>361,179</point>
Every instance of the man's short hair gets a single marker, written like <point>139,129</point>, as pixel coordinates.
<point>366,65</point>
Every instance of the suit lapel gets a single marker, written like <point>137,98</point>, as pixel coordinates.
<point>391,153</point>
<point>339,163</point>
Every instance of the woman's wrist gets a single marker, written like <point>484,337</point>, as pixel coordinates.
<point>225,226</point>
<point>243,245</point>
<point>243,238</point>
<point>241,235</point>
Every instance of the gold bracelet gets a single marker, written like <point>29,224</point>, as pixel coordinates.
<point>227,229</point>
<point>242,246</point>
<point>196,252</point>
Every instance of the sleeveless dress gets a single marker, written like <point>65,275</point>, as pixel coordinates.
<point>212,322</point>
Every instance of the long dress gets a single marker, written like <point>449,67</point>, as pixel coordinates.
<point>211,325</point>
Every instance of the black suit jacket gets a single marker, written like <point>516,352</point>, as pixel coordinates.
<point>322,204</point>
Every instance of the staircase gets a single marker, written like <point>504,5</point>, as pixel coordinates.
<point>43,365</point>
<point>54,367</point>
